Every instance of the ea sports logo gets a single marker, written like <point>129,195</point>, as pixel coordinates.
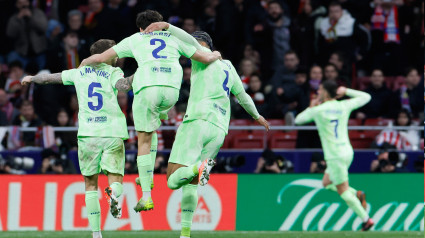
<point>207,213</point>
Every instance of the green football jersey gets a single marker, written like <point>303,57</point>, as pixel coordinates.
<point>157,55</point>
<point>99,114</point>
<point>331,119</point>
<point>210,87</point>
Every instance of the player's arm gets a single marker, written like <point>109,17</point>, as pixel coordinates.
<point>200,55</point>
<point>124,84</point>
<point>99,58</point>
<point>43,79</point>
<point>357,98</point>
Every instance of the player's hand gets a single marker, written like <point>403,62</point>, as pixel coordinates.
<point>217,54</point>
<point>26,80</point>
<point>83,63</point>
<point>156,26</point>
<point>263,122</point>
<point>340,92</point>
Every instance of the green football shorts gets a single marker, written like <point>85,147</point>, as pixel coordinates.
<point>338,169</point>
<point>96,153</point>
<point>151,104</point>
<point>195,141</point>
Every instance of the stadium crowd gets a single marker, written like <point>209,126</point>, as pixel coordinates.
<point>283,50</point>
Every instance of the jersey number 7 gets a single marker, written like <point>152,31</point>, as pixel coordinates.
<point>336,127</point>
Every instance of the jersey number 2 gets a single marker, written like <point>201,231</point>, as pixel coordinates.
<point>336,127</point>
<point>226,80</point>
<point>158,49</point>
<point>92,93</point>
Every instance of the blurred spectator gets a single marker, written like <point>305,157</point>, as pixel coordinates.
<point>340,32</point>
<point>279,27</point>
<point>67,139</point>
<point>189,25</point>
<point>100,20</point>
<point>318,163</point>
<point>185,87</point>
<point>229,29</point>
<point>302,30</point>
<point>400,139</point>
<point>256,91</point>
<point>287,73</point>
<point>382,163</point>
<point>27,118</point>
<point>75,24</point>
<point>382,102</point>
<point>50,164</point>
<point>338,59</point>
<point>270,162</point>
<point>27,28</point>
<point>7,107</point>
<point>250,53</point>
<point>16,73</point>
<point>316,76</point>
<point>121,10</point>
<point>410,94</point>
<point>389,30</point>
<point>160,164</point>
<point>247,68</point>
<point>331,73</point>
<point>67,55</point>
<point>73,105</point>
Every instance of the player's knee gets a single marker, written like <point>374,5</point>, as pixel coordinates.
<point>172,185</point>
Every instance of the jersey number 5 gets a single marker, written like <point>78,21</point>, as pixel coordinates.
<point>158,49</point>
<point>92,93</point>
<point>336,127</point>
<point>226,80</point>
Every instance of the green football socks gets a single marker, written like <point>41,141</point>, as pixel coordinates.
<point>332,187</point>
<point>354,203</point>
<point>93,210</point>
<point>188,207</point>
<point>182,176</point>
<point>116,188</point>
<point>145,170</point>
<point>154,149</point>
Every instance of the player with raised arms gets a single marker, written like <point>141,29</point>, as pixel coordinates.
<point>205,123</point>
<point>331,118</point>
<point>102,127</point>
<point>156,87</point>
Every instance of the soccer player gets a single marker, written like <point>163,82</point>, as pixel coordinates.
<point>156,87</point>
<point>102,127</point>
<point>331,118</point>
<point>205,123</point>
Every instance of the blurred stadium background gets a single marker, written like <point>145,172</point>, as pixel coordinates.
<point>282,49</point>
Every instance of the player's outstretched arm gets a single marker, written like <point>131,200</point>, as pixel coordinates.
<point>99,58</point>
<point>43,79</point>
<point>177,32</point>
<point>124,84</point>
<point>206,57</point>
<point>246,102</point>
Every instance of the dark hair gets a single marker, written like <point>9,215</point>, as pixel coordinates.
<point>275,2</point>
<point>341,55</point>
<point>332,65</point>
<point>409,116</point>
<point>289,52</point>
<point>25,103</point>
<point>301,70</point>
<point>334,4</point>
<point>203,36</point>
<point>16,63</point>
<point>101,46</point>
<point>144,19</point>
<point>409,70</point>
<point>330,86</point>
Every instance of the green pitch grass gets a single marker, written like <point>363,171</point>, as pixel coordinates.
<point>210,234</point>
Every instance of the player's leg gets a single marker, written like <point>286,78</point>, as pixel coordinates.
<point>213,141</point>
<point>113,162</point>
<point>154,150</point>
<point>89,154</point>
<point>185,154</point>
<point>147,106</point>
<point>93,205</point>
<point>327,184</point>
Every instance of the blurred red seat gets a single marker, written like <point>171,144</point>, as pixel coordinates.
<point>276,122</point>
<point>363,83</point>
<point>354,122</point>
<point>283,140</point>
<point>248,141</point>
<point>240,122</point>
<point>360,140</point>
<point>377,122</point>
